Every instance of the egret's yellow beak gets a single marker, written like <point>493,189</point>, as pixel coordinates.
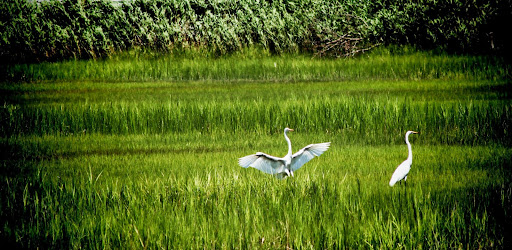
<point>292,129</point>
<point>414,132</point>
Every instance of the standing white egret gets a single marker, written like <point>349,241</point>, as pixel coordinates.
<point>402,170</point>
<point>283,167</point>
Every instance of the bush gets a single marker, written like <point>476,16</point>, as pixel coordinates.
<point>59,29</point>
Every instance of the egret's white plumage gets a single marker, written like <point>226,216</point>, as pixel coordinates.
<point>403,169</point>
<point>285,166</point>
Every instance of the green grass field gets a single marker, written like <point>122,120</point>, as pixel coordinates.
<point>95,157</point>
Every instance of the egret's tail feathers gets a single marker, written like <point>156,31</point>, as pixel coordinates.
<point>392,182</point>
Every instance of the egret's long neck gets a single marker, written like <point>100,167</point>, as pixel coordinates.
<point>290,152</point>
<point>409,147</point>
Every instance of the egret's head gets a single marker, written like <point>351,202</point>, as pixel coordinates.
<point>408,133</point>
<point>412,132</point>
<point>288,129</point>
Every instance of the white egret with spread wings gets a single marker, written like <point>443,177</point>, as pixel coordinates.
<point>285,166</point>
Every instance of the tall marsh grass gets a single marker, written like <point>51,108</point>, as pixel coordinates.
<point>155,196</point>
<point>142,152</point>
<point>259,65</point>
<point>464,123</point>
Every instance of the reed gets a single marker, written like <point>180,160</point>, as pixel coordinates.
<point>184,191</point>
<point>93,160</point>
<point>257,64</point>
<point>357,120</point>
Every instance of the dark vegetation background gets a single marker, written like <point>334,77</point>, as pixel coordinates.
<point>34,31</point>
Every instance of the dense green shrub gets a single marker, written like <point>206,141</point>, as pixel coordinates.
<point>459,26</point>
<point>55,30</point>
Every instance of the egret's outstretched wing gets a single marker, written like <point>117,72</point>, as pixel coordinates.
<point>263,162</point>
<point>401,172</point>
<point>307,153</point>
